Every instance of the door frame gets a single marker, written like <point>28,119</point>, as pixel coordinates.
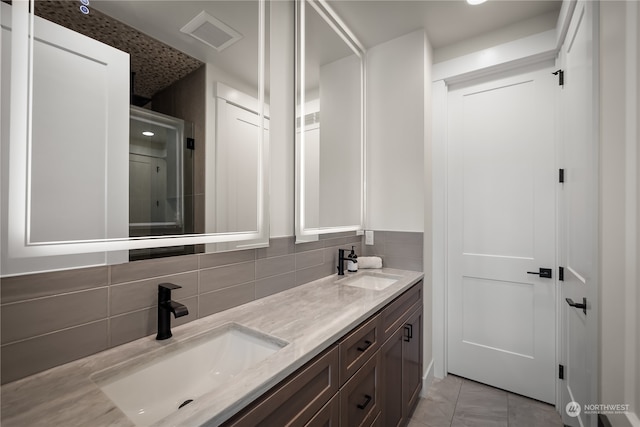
<point>510,56</point>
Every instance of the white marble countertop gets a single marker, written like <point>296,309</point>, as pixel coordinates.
<point>310,317</point>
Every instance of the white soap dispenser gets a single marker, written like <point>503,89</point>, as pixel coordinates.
<point>352,264</point>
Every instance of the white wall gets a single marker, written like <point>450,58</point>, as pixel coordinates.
<point>612,217</point>
<point>282,116</point>
<point>281,110</point>
<point>280,89</point>
<point>311,162</point>
<point>619,219</point>
<point>528,27</point>
<point>311,176</point>
<point>398,132</point>
<point>340,143</point>
<point>395,73</point>
<point>637,257</point>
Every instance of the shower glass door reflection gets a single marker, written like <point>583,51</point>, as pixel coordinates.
<point>157,174</point>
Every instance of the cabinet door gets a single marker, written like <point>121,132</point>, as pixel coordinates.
<point>392,401</point>
<point>360,396</point>
<point>412,361</point>
<point>378,422</point>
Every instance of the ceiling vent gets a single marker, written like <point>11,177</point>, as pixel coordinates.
<point>211,31</point>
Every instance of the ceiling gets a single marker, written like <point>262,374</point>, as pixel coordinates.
<point>149,30</point>
<point>163,20</point>
<point>445,21</point>
<point>155,64</point>
<point>372,21</point>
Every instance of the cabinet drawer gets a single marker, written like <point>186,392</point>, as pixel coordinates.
<point>395,314</point>
<point>328,416</point>
<point>360,396</point>
<point>358,347</point>
<point>295,401</point>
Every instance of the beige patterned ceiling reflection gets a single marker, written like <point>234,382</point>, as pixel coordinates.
<point>156,64</point>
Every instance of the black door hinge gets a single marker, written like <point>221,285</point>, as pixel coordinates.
<point>561,175</point>
<point>561,273</point>
<point>561,372</point>
<point>560,75</point>
<point>191,144</point>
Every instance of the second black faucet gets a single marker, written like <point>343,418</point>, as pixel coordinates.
<point>353,258</point>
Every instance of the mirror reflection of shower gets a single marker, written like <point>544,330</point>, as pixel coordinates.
<point>156,190</point>
<point>160,168</point>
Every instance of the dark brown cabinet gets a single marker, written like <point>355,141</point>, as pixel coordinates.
<point>412,362</point>
<point>358,382</point>
<point>401,363</point>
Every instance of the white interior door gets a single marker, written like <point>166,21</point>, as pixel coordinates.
<point>579,225</point>
<point>238,160</point>
<point>502,183</point>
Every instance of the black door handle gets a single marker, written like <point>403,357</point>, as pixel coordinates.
<point>409,332</point>
<point>544,273</point>
<point>583,306</point>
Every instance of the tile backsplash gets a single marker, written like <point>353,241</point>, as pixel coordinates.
<point>398,249</point>
<point>49,319</point>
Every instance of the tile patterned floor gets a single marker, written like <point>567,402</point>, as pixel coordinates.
<point>458,402</point>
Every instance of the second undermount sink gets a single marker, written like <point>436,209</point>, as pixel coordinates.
<point>149,389</point>
<point>373,281</point>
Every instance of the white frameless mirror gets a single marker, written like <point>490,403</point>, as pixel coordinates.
<point>330,141</point>
<point>134,125</point>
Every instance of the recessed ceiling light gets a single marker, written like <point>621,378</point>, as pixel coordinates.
<point>475,2</point>
<point>148,133</point>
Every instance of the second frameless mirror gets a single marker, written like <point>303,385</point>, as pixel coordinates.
<point>329,123</point>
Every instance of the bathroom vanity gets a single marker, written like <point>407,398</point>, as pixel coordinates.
<point>346,351</point>
<point>370,377</point>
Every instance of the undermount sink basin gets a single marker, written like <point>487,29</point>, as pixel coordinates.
<point>151,388</point>
<point>373,281</point>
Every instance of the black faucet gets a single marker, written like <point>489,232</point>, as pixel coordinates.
<point>341,260</point>
<point>165,308</point>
